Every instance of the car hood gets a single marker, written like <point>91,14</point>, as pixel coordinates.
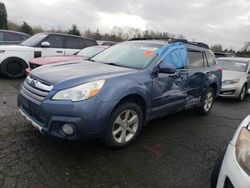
<point>16,48</point>
<point>63,75</point>
<point>56,59</point>
<point>231,75</point>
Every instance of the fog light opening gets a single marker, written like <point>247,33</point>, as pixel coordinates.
<point>68,129</point>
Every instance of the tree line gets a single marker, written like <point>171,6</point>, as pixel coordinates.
<point>116,34</point>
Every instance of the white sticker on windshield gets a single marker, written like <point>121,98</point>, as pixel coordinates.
<point>148,48</point>
<point>240,64</point>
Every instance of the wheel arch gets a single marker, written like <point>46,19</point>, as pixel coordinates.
<point>15,57</point>
<point>136,98</point>
<point>215,88</point>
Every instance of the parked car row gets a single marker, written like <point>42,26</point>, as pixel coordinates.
<point>86,53</point>
<point>14,59</point>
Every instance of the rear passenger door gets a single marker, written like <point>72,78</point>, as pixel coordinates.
<point>198,75</point>
<point>169,90</point>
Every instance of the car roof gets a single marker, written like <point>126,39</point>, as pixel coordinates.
<point>164,42</point>
<point>65,34</point>
<point>234,59</point>
<point>16,32</point>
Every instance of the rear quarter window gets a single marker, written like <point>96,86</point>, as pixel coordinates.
<point>210,59</point>
<point>196,59</point>
<point>13,37</point>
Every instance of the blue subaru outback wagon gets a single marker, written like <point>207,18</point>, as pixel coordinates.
<point>115,94</point>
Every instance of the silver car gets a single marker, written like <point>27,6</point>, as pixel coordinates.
<point>235,77</point>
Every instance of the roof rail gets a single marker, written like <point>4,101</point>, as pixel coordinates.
<point>200,44</point>
<point>152,38</point>
<point>173,40</point>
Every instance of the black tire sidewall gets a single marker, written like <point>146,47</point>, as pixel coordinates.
<point>5,72</point>
<point>108,137</point>
<point>244,86</point>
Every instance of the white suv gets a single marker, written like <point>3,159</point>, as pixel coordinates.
<point>14,58</point>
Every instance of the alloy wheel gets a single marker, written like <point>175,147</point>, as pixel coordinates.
<point>208,101</point>
<point>125,126</point>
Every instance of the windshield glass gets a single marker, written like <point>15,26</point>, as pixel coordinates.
<point>90,51</point>
<point>32,41</point>
<point>128,54</point>
<point>239,66</point>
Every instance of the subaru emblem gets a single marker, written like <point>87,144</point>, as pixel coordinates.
<point>33,83</point>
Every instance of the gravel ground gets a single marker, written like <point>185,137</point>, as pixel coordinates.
<point>175,151</point>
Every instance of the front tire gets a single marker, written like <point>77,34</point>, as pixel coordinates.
<point>243,93</point>
<point>124,126</point>
<point>13,68</point>
<point>207,101</point>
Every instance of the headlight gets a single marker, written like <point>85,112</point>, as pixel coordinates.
<point>243,150</point>
<point>81,92</point>
<point>229,82</point>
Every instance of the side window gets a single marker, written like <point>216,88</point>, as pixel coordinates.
<point>196,59</point>
<point>72,42</point>
<point>86,43</point>
<point>56,41</point>
<point>13,37</point>
<point>210,59</point>
<point>1,36</point>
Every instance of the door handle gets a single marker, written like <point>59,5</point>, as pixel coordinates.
<point>59,52</point>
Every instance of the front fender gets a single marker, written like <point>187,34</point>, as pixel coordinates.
<point>117,89</point>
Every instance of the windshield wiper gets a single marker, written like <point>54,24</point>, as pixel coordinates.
<point>91,60</point>
<point>114,64</point>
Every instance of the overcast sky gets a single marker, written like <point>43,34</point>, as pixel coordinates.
<point>226,22</point>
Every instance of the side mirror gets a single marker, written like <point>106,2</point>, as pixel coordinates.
<point>166,68</point>
<point>45,44</point>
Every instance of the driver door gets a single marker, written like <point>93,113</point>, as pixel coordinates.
<point>169,92</point>
<point>55,48</point>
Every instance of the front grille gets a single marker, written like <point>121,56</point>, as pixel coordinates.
<point>33,66</point>
<point>35,90</point>
<point>33,115</point>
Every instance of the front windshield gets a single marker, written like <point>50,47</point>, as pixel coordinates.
<point>32,41</point>
<point>135,55</point>
<point>239,66</point>
<point>90,52</point>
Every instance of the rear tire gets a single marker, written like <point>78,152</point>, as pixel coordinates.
<point>242,93</point>
<point>207,101</point>
<point>13,68</point>
<point>124,126</point>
